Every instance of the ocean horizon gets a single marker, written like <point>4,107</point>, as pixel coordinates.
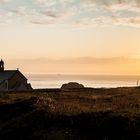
<point>39,81</point>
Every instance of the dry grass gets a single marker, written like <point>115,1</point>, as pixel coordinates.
<point>87,114</point>
<point>68,103</point>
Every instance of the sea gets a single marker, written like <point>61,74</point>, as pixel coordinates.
<point>40,81</point>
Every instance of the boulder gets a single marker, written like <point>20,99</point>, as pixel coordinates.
<point>72,85</point>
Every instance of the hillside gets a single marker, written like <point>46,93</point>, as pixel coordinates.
<point>100,114</point>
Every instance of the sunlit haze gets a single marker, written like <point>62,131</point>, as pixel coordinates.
<point>71,36</point>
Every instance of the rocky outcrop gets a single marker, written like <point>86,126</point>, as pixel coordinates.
<point>72,85</point>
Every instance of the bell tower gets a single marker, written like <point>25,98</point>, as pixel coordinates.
<point>1,65</point>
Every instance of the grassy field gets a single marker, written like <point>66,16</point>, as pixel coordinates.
<point>84,114</point>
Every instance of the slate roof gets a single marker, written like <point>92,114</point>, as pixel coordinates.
<point>7,74</point>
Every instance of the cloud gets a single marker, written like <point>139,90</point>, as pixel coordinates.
<point>108,65</point>
<point>81,60</point>
<point>134,22</point>
<point>107,21</point>
<point>51,14</point>
<point>71,12</point>
<point>116,5</point>
<point>113,12</point>
<point>36,12</point>
<point>2,1</point>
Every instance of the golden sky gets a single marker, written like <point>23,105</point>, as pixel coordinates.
<point>71,36</point>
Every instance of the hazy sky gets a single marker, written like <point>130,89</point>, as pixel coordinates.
<point>71,36</point>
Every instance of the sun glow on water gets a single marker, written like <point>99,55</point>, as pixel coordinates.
<point>95,81</point>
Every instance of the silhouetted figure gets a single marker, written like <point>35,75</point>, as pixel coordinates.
<point>1,65</point>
